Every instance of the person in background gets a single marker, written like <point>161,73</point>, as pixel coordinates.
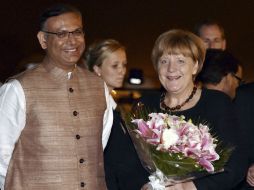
<point>212,33</point>
<point>178,57</point>
<point>245,108</point>
<point>123,170</point>
<point>221,71</point>
<point>51,115</point>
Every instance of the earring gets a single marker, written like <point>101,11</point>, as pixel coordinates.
<point>99,74</point>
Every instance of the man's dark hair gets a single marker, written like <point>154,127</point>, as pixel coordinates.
<point>209,22</point>
<point>56,10</point>
<point>218,63</point>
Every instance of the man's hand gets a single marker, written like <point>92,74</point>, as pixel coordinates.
<point>250,176</point>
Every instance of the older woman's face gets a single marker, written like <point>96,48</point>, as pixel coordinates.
<point>176,72</point>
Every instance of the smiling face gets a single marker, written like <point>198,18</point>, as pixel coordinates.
<point>113,69</point>
<point>176,72</point>
<point>63,52</point>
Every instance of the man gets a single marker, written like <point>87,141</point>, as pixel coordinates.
<point>51,115</point>
<point>245,109</point>
<point>221,71</point>
<point>212,33</point>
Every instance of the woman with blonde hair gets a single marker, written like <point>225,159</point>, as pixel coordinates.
<point>123,170</point>
<point>178,56</point>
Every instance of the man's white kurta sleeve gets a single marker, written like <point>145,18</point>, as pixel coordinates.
<point>12,122</point>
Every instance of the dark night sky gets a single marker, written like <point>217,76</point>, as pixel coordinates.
<point>136,24</point>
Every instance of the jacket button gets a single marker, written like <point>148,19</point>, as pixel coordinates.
<point>82,184</point>
<point>77,136</point>
<point>71,90</point>
<point>75,113</point>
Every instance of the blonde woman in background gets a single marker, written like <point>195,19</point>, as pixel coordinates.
<point>123,170</point>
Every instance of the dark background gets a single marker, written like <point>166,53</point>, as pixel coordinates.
<point>136,24</point>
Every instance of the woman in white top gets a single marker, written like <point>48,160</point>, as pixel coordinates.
<point>123,170</point>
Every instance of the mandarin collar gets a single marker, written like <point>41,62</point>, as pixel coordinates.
<point>59,73</point>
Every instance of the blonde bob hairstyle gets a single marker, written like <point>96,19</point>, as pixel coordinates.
<point>176,41</point>
<point>99,50</point>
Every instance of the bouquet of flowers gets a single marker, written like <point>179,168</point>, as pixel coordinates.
<point>172,149</point>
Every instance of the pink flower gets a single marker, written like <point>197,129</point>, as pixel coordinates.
<point>176,135</point>
<point>143,128</point>
<point>206,164</point>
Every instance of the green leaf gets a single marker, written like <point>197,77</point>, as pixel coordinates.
<point>174,164</point>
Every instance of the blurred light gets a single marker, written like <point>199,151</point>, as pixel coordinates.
<point>135,76</point>
<point>135,81</point>
<point>113,92</point>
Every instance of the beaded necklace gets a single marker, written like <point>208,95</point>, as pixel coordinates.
<point>178,107</point>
